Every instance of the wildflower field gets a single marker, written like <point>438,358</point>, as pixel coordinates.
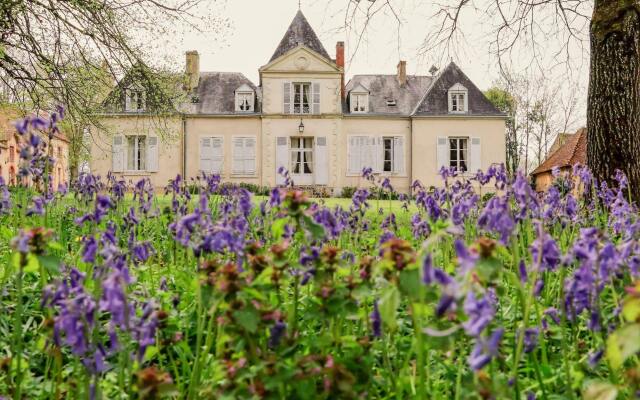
<point>204,292</point>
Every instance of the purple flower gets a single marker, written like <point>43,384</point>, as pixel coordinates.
<point>485,349</point>
<point>276,333</point>
<point>38,206</point>
<point>530,339</point>
<point>466,259</point>
<point>480,312</point>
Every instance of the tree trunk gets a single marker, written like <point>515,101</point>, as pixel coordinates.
<point>613,109</point>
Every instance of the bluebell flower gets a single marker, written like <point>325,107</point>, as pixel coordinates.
<point>485,349</point>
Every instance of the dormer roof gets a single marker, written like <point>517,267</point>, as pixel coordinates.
<point>436,99</point>
<point>299,33</point>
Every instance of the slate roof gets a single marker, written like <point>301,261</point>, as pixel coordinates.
<point>572,152</point>
<point>436,99</point>
<point>384,87</point>
<point>299,32</point>
<point>216,92</point>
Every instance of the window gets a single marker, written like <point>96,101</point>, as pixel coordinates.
<point>391,102</point>
<point>244,101</point>
<point>244,155</point>
<point>382,154</point>
<point>387,160</point>
<point>12,154</point>
<point>457,102</point>
<point>458,154</point>
<point>301,155</point>
<point>359,102</point>
<point>136,151</point>
<point>135,99</point>
<point>301,96</point>
<point>458,99</point>
<point>59,152</point>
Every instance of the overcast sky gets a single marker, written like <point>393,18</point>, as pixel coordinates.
<point>253,29</point>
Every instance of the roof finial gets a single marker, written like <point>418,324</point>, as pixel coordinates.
<point>299,4</point>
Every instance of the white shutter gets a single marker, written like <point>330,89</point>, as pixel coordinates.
<point>152,153</point>
<point>377,153</point>
<point>475,160</point>
<point>250,155</point>
<point>443,153</point>
<point>354,155</point>
<point>282,157</point>
<point>216,155</point>
<point>398,154</point>
<point>237,165</point>
<point>286,95</point>
<point>322,161</point>
<point>205,154</point>
<point>117,154</point>
<point>316,98</point>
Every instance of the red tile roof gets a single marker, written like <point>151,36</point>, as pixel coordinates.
<point>572,152</point>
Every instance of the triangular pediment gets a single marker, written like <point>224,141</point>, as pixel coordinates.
<point>301,59</point>
<point>359,88</point>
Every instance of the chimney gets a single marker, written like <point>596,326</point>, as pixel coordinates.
<point>402,73</point>
<point>192,70</point>
<point>340,64</point>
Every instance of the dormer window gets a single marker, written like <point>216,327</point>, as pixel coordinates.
<point>245,98</point>
<point>458,99</point>
<point>244,101</point>
<point>359,102</point>
<point>135,100</point>
<point>391,102</point>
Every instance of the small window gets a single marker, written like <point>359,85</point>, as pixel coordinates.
<point>301,98</point>
<point>244,101</point>
<point>136,153</point>
<point>458,154</point>
<point>387,159</point>
<point>391,102</point>
<point>359,102</point>
<point>135,100</point>
<point>12,154</point>
<point>458,99</point>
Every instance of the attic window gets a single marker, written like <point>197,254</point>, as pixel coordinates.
<point>359,102</point>
<point>244,101</point>
<point>391,102</point>
<point>458,99</point>
<point>135,99</point>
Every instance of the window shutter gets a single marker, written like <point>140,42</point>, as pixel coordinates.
<point>377,153</point>
<point>322,161</point>
<point>205,154</point>
<point>216,155</point>
<point>398,154</point>
<point>152,153</point>
<point>237,167</point>
<point>316,98</point>
<point>475,160</point>
<point>250,155</point>
<point>282,157</point>
<point>442,153</point>
<point>286,92</point>
<point>354,154</point>
<point>117,154</point>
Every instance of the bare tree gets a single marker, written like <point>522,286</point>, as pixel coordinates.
<point>68,52</point>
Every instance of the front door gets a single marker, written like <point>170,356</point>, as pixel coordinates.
<point>302,165</point>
